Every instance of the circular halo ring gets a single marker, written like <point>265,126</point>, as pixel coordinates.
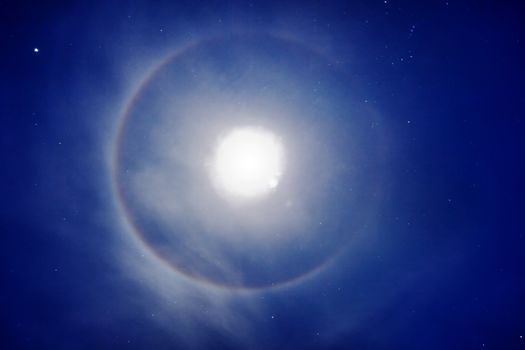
<point>118,194</point>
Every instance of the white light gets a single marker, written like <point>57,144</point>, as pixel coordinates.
<point>248,162</point>
<point>35,49</point>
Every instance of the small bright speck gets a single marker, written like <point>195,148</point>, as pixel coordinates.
<point>248,162</point>
<point>35,49</point>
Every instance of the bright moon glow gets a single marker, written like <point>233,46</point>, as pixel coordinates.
<point>248,162</point>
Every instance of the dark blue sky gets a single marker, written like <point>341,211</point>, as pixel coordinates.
<point>439,264</point>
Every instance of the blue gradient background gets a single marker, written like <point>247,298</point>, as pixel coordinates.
<point>442,265</point>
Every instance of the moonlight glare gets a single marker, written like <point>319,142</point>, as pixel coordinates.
<point>248,163</point>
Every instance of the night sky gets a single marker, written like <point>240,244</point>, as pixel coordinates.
<point>398,221</point>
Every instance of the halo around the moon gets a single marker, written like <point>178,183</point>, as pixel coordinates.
<point>258,120</point>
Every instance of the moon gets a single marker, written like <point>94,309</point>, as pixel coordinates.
<point>248,163</point>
